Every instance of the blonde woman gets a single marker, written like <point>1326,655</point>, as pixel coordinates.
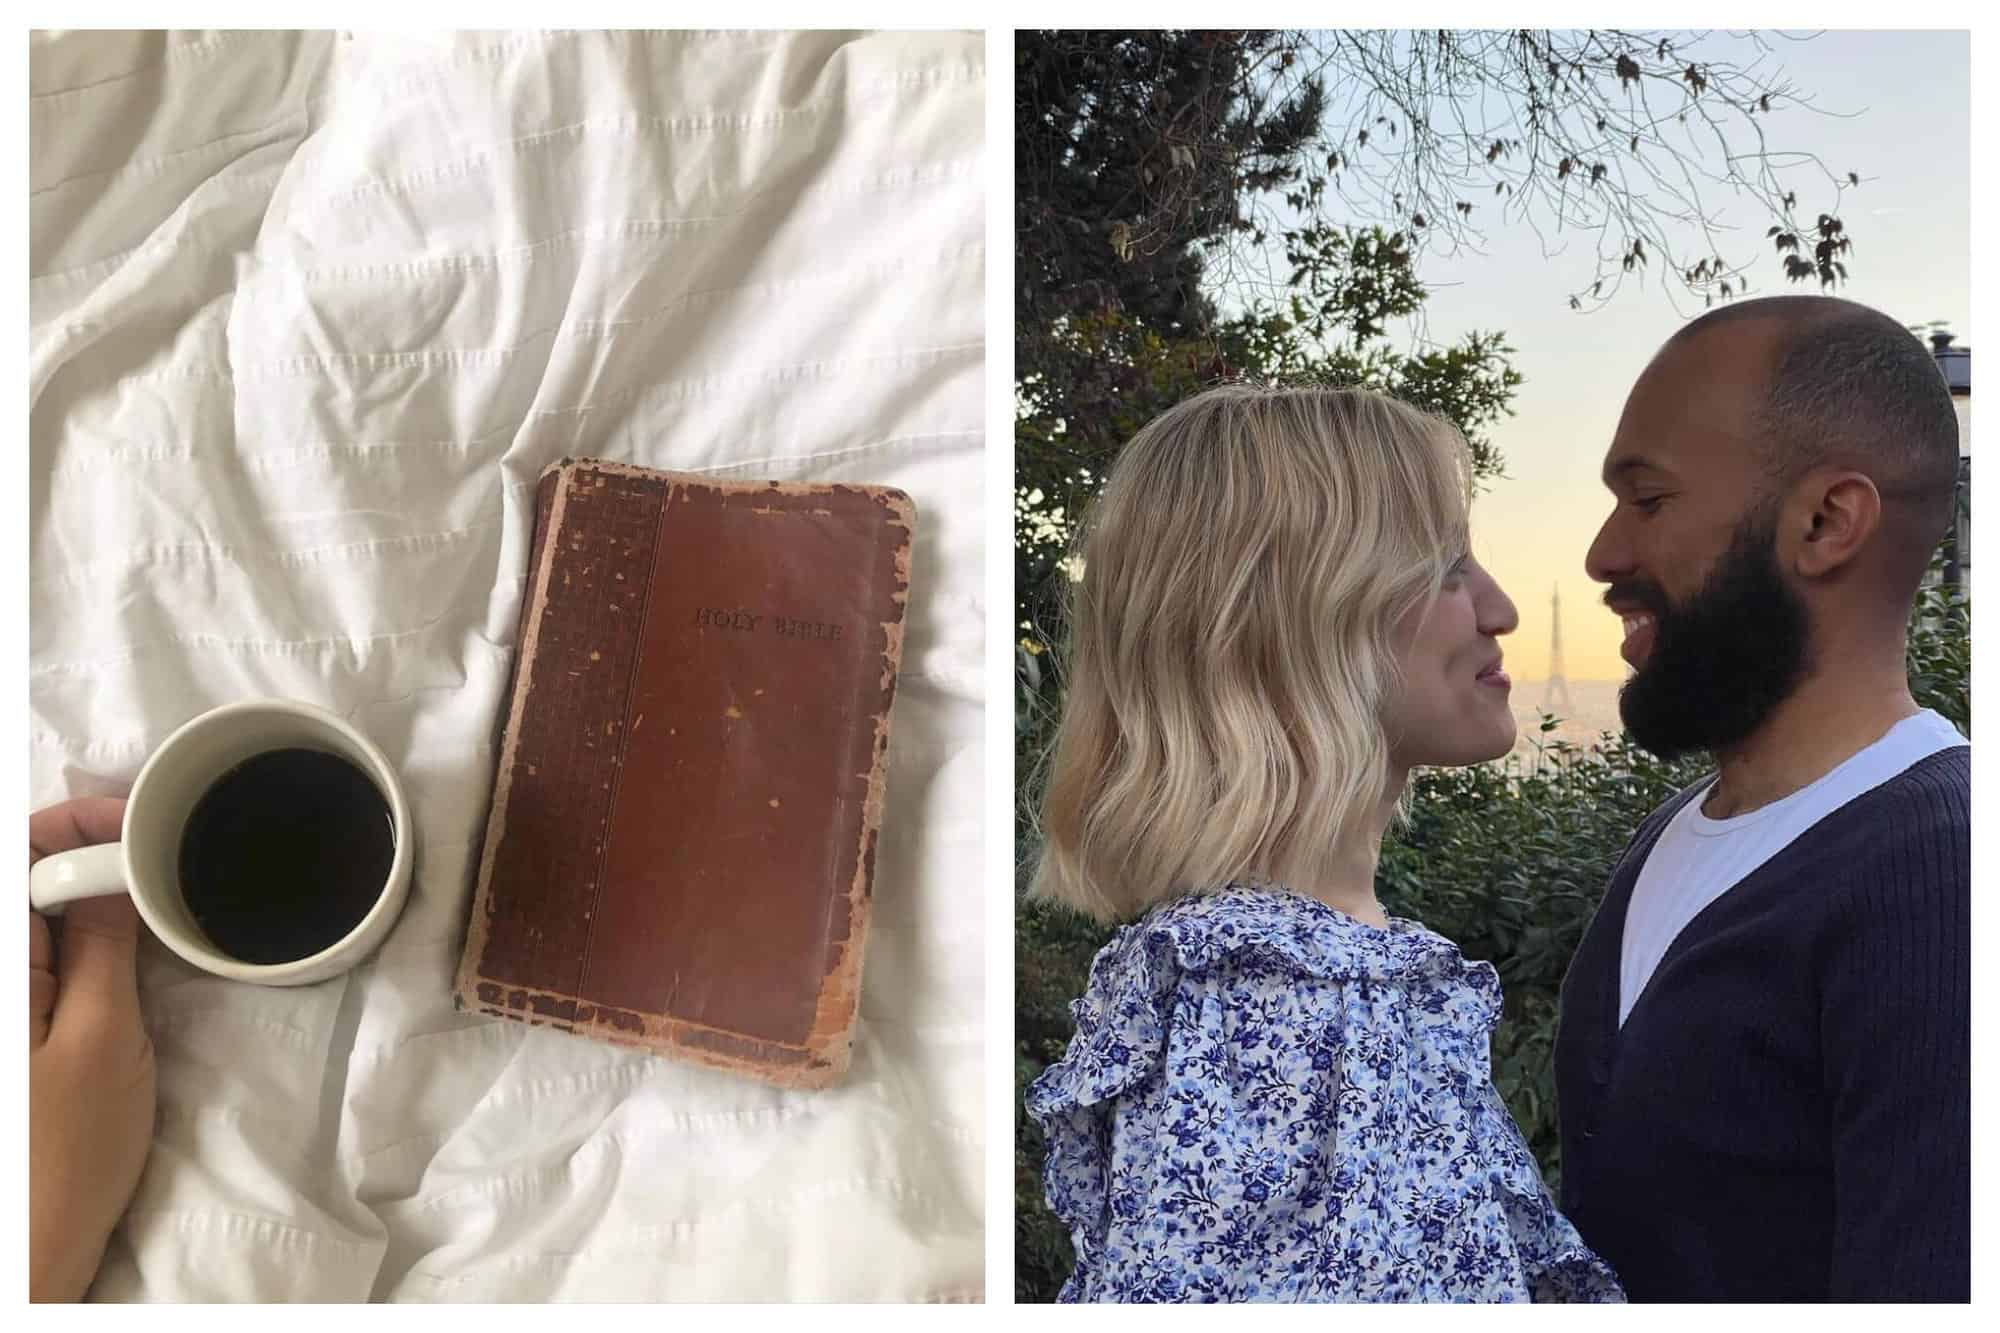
<point>1275,1091</point>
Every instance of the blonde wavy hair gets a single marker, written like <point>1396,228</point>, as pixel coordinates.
<point>1229,654</point>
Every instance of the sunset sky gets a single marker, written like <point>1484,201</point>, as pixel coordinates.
<point>1909,221</point>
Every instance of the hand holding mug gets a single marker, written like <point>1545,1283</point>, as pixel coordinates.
<point>264,841</point>
<point>90,1065</point>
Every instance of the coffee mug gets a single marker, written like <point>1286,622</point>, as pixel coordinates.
<point>245,786</point>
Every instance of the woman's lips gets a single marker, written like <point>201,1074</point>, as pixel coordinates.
<point>1495,677</point>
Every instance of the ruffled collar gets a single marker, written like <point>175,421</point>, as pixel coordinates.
<point>1280,926</point>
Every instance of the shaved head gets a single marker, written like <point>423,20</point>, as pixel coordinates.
<point>1847,386</point>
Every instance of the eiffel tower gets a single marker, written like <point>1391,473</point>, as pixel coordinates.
<point>1555,695</point>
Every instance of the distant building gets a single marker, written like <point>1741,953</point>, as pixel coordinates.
<point>1956,363</point>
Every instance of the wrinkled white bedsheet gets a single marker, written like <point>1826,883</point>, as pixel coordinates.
<point>309,315</point>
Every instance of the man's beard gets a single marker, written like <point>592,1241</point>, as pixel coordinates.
<point>1726,658</point>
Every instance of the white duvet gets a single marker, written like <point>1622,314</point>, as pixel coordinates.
<point>309,314</point>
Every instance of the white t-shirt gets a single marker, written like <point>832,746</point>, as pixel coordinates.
<point>1698,859</point>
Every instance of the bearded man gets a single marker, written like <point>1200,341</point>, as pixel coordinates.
<point>1763,1054</point>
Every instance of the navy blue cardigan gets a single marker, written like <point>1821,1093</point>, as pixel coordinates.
<point>1786,1114</point>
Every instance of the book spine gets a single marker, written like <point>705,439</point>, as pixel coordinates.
<point>564,750</point>
<point>534,601</point>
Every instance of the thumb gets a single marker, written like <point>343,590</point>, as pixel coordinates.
<point>97,969</point>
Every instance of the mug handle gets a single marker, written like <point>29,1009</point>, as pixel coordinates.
<point>82,872</point>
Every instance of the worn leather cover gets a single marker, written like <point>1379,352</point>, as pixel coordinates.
<point>691,770</point>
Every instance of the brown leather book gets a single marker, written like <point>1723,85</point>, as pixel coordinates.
<point>691,770</point>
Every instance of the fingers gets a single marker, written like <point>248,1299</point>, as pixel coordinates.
<point>84,822</point>
<point>99,973</point>
<point>41,980</point>
<point>98,977</point>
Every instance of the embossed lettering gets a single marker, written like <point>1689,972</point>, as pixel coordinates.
<point>788,628</point>
<point>720,618</point>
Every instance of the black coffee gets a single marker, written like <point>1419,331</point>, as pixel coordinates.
<point>285,855</point>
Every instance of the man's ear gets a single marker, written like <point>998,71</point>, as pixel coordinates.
<point>1832,517</point>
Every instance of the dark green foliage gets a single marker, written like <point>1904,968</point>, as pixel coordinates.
<point>1131,150</point>
<point>1940,649</point>
<point>1052,952</point>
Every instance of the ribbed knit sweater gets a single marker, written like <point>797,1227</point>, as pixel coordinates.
<point>1785,1114</point>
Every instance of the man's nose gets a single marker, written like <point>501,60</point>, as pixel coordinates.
<point>1609,557</point>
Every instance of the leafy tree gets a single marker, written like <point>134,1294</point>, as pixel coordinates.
<point>1131,150</point>
<point>1299,178</point>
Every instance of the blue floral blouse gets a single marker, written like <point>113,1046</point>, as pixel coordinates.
<point>1269,1100</point>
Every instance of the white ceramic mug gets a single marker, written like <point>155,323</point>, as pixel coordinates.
<point>145,860</point>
